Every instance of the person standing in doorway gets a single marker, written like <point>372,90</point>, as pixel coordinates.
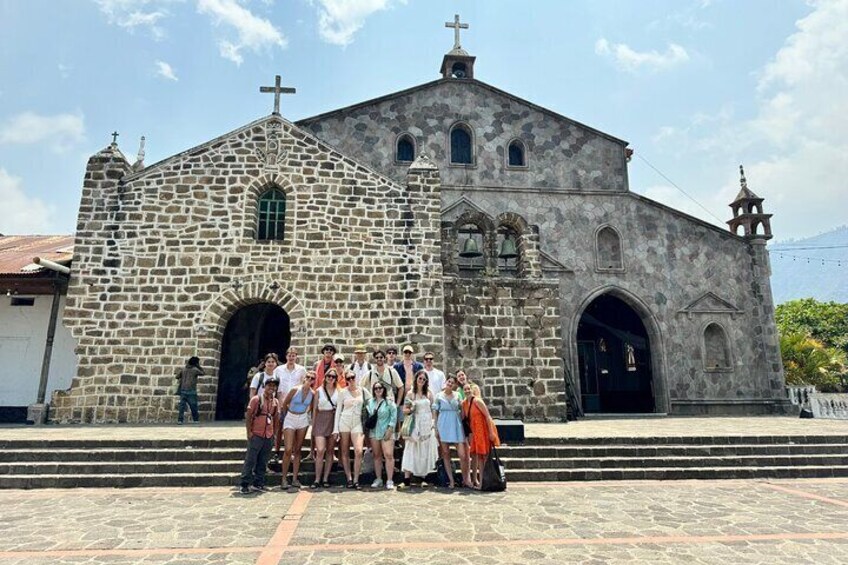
<point>261,420</point>
<point>269,368</point>
<point>188,389</point>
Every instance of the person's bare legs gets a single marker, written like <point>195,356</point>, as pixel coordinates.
<point>377,449</point>
<point>462,451</point>
<point>447,461</point>
<point>389,458</point>
<point>289,435</point>
<point>328,463</point>
<point>299,437</point>
<point>320,452</point>
<point>358,448</point>
<point>344,443</point>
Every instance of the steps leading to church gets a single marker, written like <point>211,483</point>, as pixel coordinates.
<point>149,462</point>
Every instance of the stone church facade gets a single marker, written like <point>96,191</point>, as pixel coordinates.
<point>454,216</point>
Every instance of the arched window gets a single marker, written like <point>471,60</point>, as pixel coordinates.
<point>472,250</point>
<point>460,145</point>
<point>459,70</point>
<point>516,154</point>
<point>608,248</point>
<point>716,348</point>
<point>508,251</point>
<point>405,149</point>
<point>271,215</point>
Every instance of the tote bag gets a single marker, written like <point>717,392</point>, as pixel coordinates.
<point>494,473</point>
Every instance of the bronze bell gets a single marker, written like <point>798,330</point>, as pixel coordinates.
<point>508,250</point>
<point>470,249</point>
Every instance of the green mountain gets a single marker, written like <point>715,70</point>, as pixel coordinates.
<point>815,267</point>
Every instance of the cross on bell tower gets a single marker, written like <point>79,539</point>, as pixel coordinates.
<point>457,63</point>
<point>277,90</point>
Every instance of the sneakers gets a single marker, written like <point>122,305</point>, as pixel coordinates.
<point>390,485</point>
<point>263,488</point>
<point>377,483</point>
<point>244,489</point>
<point>285,485</point>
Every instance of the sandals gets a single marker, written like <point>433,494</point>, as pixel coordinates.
<point>325,484</point>
<point>349,484</point>
<point>315,485</point>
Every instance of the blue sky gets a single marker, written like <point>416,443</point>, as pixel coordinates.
<point>696,87</point>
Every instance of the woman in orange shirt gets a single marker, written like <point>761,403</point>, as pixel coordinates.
<point>484,434</point>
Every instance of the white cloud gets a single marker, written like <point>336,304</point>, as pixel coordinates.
<point>59,132</point>
<point>254,33</point>
<point>22,214</point>
<point>132,14</point>
<point>630,60</point>
<point>165,70</point>
<point>339,20</point>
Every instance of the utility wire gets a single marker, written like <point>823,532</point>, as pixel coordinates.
<point>782,246</point>
<point>660,173</point>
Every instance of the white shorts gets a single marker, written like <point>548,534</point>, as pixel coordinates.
<point>351,424</point>
<point>296,421</point>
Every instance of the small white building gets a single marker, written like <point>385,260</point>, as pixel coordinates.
<point>27,293</point>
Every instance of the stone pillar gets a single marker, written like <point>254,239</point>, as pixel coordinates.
<point>96,262</point>
<point>425,292</point>
<point>761,268</point>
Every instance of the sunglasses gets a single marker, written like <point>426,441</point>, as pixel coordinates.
<point>428,358</point>
<point>379,388</point>
<point>310,378</point>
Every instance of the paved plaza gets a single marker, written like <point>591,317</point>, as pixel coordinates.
<point>797,521</point>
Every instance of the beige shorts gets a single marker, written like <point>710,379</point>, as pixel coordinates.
<point>296,421</point>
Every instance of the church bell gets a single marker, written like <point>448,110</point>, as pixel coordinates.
<point>508,250</point>
<point>470,249</point>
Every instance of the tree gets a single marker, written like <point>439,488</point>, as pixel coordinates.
<point>823,321</point>
<point>807,361</point>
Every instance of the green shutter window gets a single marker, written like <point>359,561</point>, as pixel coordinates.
<point>272,215</point>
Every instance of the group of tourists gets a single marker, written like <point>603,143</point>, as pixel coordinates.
<point>360,405</point>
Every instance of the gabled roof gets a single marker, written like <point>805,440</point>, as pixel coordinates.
<point>17,252</point>
<point>466,81</point>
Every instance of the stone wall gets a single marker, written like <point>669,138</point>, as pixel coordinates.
<point>165,256</point>
<point>679,274</point>
<point>559,152</point>
<point>504,333</point>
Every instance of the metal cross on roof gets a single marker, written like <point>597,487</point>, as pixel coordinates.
<point>277,90</point>
<point>456,27</point>
<point>115,135</point>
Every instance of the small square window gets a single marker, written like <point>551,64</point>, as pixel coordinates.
<point>23,301</point>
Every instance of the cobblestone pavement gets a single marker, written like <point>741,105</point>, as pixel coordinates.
<point>793,521</point>
<point>613,427</point>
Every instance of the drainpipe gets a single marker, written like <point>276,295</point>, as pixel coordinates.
<point>39,415</point>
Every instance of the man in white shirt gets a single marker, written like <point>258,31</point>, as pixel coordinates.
<point>360,366</point>
<point>436,377</point>
<point>290,374</point>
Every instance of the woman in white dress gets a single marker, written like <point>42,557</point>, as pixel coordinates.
<point>348,427</point>
<point>420,451</point>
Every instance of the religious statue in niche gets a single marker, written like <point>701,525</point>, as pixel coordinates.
<point>273,152</point>
<point>630,357</point>
<point>602,358</point>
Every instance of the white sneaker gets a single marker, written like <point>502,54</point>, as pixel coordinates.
<point>390,485</point>
<point>377,483</point>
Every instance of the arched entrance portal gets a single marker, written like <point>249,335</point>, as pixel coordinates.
<point>252,331</point>
<point>614,354</point>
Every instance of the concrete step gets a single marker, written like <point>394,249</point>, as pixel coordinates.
<point>689,440</point>
<point>650,473</point>
<point>676,462</point>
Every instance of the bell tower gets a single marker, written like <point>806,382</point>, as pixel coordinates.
<point>748,212</point>
<point>457,63</point>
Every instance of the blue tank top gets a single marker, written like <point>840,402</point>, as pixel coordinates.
<point>299,404</point>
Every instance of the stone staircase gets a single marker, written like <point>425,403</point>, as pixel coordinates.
<point>28,464</point>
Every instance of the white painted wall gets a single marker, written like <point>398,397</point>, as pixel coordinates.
<point>23,333</point>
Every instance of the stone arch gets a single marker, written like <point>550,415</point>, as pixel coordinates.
<point>256,188</point>
<point>715,348</point>
<point>209,330</point>
<point>472,153</point>
<point>653,328</point>
<point>529,260</point>
<point>609,254</point>
<point>487,227</point>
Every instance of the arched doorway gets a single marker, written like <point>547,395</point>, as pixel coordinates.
<point>614,357</point>
<point>252,331</point>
